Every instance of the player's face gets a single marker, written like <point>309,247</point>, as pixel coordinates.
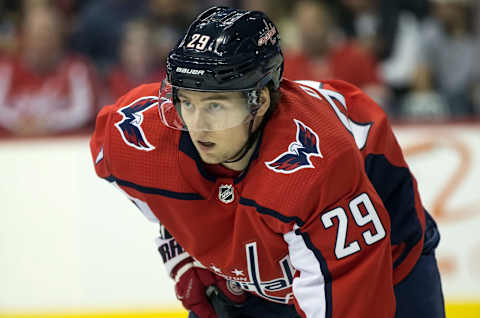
<point>217,122</point>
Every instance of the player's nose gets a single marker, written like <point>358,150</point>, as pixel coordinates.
<point>199,122</point>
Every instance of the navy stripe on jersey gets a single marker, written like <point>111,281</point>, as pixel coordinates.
<point>148,190</point>
<point>325,272</point>
<point>254,156</point>
<point>432,235</point>
<point>187,147</point>
<point>395,187</point>
<point>267,211</point>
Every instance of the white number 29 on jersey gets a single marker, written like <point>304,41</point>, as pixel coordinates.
<point>342,249</point>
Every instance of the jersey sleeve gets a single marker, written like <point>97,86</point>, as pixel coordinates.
<point>342,251</point>
<point>99,140</point>
<point>390,175</point>
<point>102,137</point>
<point>170,250</point>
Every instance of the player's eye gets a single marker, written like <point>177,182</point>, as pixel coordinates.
<point>186,104</point>
<point>213,107</point>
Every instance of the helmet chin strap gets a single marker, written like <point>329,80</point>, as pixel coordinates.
<point>246,147</point>
<point>252,137</point>
<point>253,98</point>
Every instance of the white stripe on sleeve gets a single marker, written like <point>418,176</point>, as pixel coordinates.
<point>309,288</point>
<point>142,206</point>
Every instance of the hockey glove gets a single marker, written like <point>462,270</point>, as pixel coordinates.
<point>196,286</point>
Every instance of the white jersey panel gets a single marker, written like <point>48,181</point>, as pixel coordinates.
<point>143,206</point>
<point>359,131</point>
<point>309,287</point>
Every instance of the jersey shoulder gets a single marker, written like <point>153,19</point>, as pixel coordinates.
<point>307,158</point>
<point>305,122</point>
<point>361,107</point>
<point>138,93</point>
<point>129,135</point>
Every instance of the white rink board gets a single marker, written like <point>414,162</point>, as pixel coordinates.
<point>69,240</point>
<point>446,162</point>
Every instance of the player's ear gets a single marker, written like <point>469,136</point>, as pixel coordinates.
<point>264,101</point>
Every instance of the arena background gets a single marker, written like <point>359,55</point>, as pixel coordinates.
<point>72,246</point>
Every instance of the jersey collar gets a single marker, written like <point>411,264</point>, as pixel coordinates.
<point>189,153</point>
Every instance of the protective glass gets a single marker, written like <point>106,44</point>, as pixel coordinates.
<point>202,110</point>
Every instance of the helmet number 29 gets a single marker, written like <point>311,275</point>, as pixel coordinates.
<point>198,41</point>
<point>361,219</point>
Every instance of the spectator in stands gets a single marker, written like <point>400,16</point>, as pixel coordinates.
<point>99,27</point>
<point>168,20</point>
<point>146,41</point>
<point>43,88</point>
<point>423,102</point>
<point>324,55</point>
<point>173,13</point>
<point>139,61</point>
<point>390,30</point>
<point>7,28</point>
<point>450,58</point>
<point>377,23</point>
<point>101,24</point>
<point>476,85</point>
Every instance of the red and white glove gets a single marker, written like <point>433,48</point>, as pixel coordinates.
<point>192,280</point>
<point>191,284</point>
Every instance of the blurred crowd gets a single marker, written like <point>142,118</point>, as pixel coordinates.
<point>62,60</point>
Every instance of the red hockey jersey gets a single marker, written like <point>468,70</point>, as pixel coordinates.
<point>326,214</point>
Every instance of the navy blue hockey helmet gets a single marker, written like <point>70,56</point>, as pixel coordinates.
<point>227,49</point>
<point>224,49</point>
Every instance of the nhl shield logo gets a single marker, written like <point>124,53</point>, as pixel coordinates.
<point>226,193</point>
<point>234,288</point>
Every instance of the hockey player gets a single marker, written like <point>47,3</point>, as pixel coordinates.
<point>275,198</point>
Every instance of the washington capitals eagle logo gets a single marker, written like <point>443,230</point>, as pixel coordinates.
<point>130,126</point>
<point>299,152</point>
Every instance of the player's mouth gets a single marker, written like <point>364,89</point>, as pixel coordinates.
<point>205,145</point>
